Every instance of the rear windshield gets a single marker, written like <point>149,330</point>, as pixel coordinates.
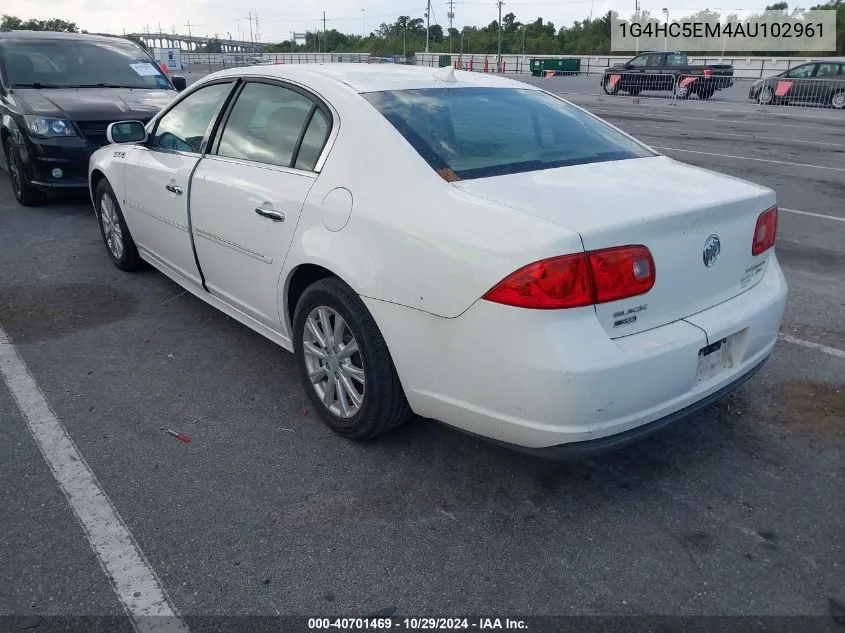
<point>467,133</point>
<point>66,63</point>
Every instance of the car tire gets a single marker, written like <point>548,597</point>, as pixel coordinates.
<point>837,100</point>
<point>328,372</point>
<point>705,93</point>
<point>116,236</point>
<point>766,96</point>
<point>682,92</point>
<point>24,192</point>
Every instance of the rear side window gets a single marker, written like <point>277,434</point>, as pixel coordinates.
<point>827,70</point>
<point>312,142</point>
<point>676,59</point>
<point>266,124</point>
<point>467,133</point>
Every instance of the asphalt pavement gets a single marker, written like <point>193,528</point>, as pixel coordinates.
<point>737,511</point>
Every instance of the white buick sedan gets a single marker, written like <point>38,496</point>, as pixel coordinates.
<point>457,245</point>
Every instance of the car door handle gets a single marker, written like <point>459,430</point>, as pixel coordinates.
<point>174,189</point>
<point>273,215</point>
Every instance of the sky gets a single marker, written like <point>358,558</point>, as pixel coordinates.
<point>276,21</point>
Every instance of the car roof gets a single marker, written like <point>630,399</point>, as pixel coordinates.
<point>56,35</point>
<point>377,77</point>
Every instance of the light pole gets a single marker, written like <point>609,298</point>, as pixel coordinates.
<point>721,15</point>
<point>523,40</point>
<point>499,56</point>
<point>666,13</point>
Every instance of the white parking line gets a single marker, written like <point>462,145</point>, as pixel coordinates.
<point>812,215</point>
<point>831,351</point>
<point>762,160</point>
<point>134,581</point>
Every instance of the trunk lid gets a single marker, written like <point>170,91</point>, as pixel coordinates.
<point>671,208</point>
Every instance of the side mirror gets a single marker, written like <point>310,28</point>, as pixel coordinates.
<point>126,132</point>
<point>179,82</point>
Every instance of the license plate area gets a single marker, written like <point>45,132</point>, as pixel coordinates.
<point>716,358</point>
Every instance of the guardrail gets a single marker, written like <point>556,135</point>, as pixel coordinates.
<point>218,61</point>
<point>815,92</point>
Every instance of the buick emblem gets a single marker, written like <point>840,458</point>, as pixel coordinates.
<point>712,248</point>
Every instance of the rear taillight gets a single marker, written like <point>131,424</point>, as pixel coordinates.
<point>765,232</point>
<point>622,272</point>
<point>560,282</point>
<point>583,279</point>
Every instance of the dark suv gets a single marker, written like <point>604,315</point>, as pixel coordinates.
<point>58,93</point>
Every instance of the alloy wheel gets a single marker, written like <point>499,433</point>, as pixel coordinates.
<point>333,362</point>
<point>111,226</point>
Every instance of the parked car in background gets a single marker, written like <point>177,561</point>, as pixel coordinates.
<point>661,71</point>
<point>58,94</point>
<point>496,259</point>
<point>818,83</point>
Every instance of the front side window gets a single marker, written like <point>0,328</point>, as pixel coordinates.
<point>72,63</point>
<point>266,124</point>
<point>801,71</point>
<point>183,127</point>
<point>639,62</point>
<point>467,133</point>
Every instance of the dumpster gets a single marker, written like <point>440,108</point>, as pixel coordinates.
<point>445,60</point>
<point>560,66</point>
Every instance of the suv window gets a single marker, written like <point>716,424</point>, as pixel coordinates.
<point>655,60</point>
<point>639,61</point>
<point>676,59</point>
<point>467,133</point>
<point>266,124</point>
<point>183,127</point>
<point>801,71</point>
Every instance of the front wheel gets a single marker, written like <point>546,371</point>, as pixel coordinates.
<point>344,364</point>
<point>837,100</point>
<point>682,92</point>
<point>24,192</point>
<point>116,237</point>
<point>766,96</point>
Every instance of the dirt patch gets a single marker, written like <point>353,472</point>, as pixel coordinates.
<point>36,313</point>
<point>812,407</point>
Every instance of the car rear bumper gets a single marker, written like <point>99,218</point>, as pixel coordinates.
<point>553,380</point>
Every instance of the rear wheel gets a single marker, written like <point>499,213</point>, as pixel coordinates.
<point>344,364</point>
<point>24,192</point>
<point>706,93</point>
<point>837,100</point>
